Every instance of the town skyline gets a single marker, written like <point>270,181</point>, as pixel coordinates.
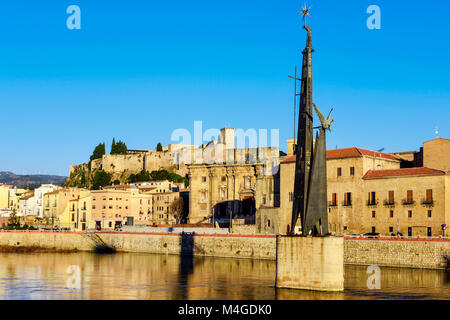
<point>79,88</point>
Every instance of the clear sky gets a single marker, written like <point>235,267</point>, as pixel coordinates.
<point>137,70</point>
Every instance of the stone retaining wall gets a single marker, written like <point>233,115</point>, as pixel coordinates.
<point>233,246</point>
<point>48,240</point>
<point>410,253</point>
<point>423,254</point>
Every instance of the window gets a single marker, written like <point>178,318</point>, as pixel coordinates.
<point>429,232</point>
<point>334,199</point>
<point>203,179</point>
<point>348,199</point>
<point>339,172</point>
<point>409,232</point>
<point>391,214</point>
<point>203,196</point>
<point>268,223</point>
<point>374,213</point>
<point>374,229</point>
<point>73,217</point>
<point>430,213</point>
<point>224,179</point>
<point>345,227</point>
<point>391,197</point>
<point>352,171</point>
<point>409,196</point>
<point>391,229</point>
<point>409,213</point>
<point>372,198</point>
<point>429,198</point>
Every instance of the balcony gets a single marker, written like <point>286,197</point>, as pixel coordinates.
<point>427,202</point>
<point>332,204</point>
<point>372,203</point>
<point>389,203</point>
<point>347,204</point>
<point>408,202</point>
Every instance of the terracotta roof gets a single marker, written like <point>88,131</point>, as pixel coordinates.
<point>147,188</point>
<point>375,174</point>
<point>120,186</point>
<point>350,153</point>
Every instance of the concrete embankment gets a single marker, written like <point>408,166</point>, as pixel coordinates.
<point>411,253</point>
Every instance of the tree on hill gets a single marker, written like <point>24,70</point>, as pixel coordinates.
<point>119,147</point>
<point>159,147</point>
<point>99,151</point>
<point>101,179</point>
<point>140,177</point>
<point>156,175</point>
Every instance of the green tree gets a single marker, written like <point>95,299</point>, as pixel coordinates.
<point>159,147</point>
<point>119,147</point>
<point>140,177</point>
<point>101,179</point>
<point>13,220</point>
<point>99,151</point>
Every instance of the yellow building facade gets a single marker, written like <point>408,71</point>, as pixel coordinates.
<point>4,196</point>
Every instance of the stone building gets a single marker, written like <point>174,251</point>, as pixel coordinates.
<point>33,204</point>
<point>77,213</point>
<point>114,207</point>
<point>232,182</point>
<point>163,208</point>
<point>144,205</point>
<point>56,202</point>
<point>4,196</point>
<point>369,191</point>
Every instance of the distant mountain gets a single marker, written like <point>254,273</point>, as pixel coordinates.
<point>29,181</point>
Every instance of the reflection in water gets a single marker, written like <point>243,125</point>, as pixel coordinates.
<point>149,276</point>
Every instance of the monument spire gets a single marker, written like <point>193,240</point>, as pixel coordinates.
<point>304,149</point>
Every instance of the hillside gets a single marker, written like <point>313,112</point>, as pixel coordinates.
<point>29,181</point>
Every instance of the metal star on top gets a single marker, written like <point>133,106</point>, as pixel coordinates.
<point>305,13</point>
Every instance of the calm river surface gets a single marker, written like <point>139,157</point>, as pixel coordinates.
<point>149,276</point>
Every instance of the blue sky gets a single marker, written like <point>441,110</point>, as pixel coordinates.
<point>137,70</point>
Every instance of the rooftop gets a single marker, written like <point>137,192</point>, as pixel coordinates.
<point>379,174</point>
<point>350,153</point>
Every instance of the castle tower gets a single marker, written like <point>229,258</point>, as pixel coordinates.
<point>227,137</point>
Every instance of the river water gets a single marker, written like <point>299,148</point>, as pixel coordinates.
<point>150,276</point>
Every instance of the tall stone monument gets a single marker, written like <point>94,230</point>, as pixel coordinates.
<point>314,260</point>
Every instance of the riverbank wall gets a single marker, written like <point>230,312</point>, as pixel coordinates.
<point>386,252</point>
<point>210,245</point>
